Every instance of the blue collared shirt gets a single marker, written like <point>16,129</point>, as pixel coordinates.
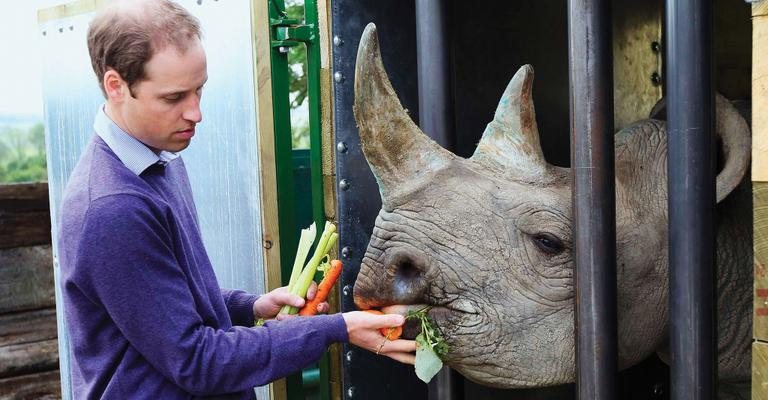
<point>136,156</point>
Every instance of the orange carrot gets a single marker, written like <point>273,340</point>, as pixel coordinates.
<point>392,333</point>
<point>323,289</point>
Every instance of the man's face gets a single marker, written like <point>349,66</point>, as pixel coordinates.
<point>165,107</point>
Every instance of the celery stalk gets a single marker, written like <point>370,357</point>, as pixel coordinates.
<point>305,243</point>
<point>308,273</point>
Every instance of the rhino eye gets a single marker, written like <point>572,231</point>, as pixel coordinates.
<point>548,243</point>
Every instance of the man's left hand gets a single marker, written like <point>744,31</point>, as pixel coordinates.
<point>268,305</point>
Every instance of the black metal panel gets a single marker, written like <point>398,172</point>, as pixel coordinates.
<point>691,171</point>
<point>366,375</point>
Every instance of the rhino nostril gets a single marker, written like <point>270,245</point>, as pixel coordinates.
<point>406,269</point>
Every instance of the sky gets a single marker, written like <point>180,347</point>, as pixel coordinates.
<point>20,69</point>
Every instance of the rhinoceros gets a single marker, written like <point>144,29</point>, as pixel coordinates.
<point>486,241</point>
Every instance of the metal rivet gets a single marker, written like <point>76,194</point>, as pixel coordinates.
<point>45,33</point>
<point>344,184</point>
<point>655,47</point>
<point>657,390</point>
<point>338,77</point>
<point>341,147</point>
<point>346,252</point>
<point>337,41</point>
<point>199,2</point>
<point>267,244</point>
<point>656,79</point>
<point>347,290</point>
<point>61,30</point>
<point>71,28</point>
<point>349,356</point>
<point>351,392</point>
<point>282,49</point>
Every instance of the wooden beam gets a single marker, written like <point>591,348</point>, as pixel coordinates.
<point>45,385</point>
<point>760,198</point>
<point>27,327</point>
<point>69,10</point>
<point>24,215</point>
<point>26,279</point>
<point>760,91</point>
<point>262,81</point>
<point>26,358</point>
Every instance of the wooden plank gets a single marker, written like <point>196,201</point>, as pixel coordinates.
<point>26,279</point>
<point>69,10</point>
<point>636,24</point>
<point>24,196</point>
<point>759,371</point>
<point>42,386</point>
<point>265,120</point>
<point>27,327</point>
<point>24,216</point>
<point>26,358</point>
<point>267,166</point>
<point>760,243</point>
<point>760,92</point>
<point>760,8</point>
<point>24,228</point>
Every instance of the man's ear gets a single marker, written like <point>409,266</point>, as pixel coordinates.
<point>114,86</point>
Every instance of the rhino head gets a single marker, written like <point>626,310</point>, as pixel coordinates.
<point>486,241</point>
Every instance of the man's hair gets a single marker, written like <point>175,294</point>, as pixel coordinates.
<point>126,35</point>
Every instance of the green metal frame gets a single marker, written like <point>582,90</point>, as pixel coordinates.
<point>284,34</point>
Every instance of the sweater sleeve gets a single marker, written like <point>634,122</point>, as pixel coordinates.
<point>240,306</point>
<point>127,265</point>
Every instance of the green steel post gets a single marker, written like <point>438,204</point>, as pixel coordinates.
<point>286,33</point>
<point>313,89</point>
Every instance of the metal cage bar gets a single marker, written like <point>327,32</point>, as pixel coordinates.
<point>594,213</point>
<point>691,201</point>
<point>436,120</point>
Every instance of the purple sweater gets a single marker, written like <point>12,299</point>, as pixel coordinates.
<point>146,316</point>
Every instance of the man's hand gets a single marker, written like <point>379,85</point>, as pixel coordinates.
<point>268,305</point>
<point>363,329</point>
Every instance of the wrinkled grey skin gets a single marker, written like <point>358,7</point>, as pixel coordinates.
<point>487,240</point>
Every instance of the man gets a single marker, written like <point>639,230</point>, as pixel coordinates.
<point>146,316</point>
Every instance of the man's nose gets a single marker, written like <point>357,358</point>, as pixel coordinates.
<point>192,112</point>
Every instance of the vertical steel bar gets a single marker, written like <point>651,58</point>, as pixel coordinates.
<point>432,54</point>
<point>436,120</point>
<point>691,187</point>
<point>594,219</point>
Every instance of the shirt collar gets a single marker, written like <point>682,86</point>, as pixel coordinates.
<point>135,155</point>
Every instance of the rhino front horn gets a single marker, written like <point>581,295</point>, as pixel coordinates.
<point>401,156</point>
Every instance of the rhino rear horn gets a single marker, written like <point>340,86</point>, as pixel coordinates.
<point>398,152</point>
<point>510,144</point>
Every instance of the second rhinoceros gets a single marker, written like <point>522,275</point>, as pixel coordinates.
<point>486,241</point>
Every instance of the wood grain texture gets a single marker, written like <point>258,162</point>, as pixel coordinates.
<point>759,371</point>
<point>27,327</point>
<point>42,386</point>
<point>30,357</point>
<point>267,168</point>
<point>26,278</point>
<point>24,215</point>
<point>760,92</point>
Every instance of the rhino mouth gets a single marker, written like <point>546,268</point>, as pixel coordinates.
<point>438,314</point>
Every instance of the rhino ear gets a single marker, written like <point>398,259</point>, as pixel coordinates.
<point>396,149</point>
<point>510,144</point>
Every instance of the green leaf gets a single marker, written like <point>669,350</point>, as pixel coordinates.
<point>428,364</point>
